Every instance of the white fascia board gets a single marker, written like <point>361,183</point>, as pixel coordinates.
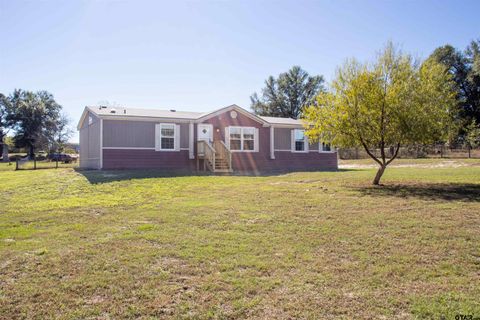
<point>86,110</point>
<point>229,108</point>
<point>146,119</point>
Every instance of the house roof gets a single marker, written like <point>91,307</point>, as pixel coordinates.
<point>126,112</point>
<point>151,113</point>
<point>282,121</point>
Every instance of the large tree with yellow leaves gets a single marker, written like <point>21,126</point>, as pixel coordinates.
<point>392,102</point>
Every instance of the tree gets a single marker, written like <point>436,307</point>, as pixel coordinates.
<point>464,66</point>
<point>472,136</point>
<point>287,95</point>
<point>4,125</point>
<point>62,132</point>
<point>392,102</point>
<point>35,117</point>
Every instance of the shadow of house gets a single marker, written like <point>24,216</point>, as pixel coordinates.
<point>448,192</point>
<point>106,176</point>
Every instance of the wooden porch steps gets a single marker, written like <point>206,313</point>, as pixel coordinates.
<point>221,165</point>
<point>216,157</point>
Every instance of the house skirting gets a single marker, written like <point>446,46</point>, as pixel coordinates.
<point>241,161</point>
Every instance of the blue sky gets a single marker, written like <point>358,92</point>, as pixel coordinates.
<point>202,55</point>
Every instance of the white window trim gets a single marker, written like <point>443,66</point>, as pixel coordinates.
<point>292,144</point>
<point>255,139</point>
<point>158,137</point>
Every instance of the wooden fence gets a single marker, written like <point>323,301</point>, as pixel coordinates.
<point>27,164</point>
<point>413,152</point>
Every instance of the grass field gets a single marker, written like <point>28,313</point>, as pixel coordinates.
<point>125,244</point>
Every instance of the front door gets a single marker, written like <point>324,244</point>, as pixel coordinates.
<point>205,132</point>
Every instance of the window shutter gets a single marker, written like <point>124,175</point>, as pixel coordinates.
<point>256,142</point>
<point>227,137</point>
<point>177,137</point>
<point>157,137</point>
<point>306,143</point>
<point>292,140</point>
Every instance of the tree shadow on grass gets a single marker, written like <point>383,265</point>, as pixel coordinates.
<point>449,192</point>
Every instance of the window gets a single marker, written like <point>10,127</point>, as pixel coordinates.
<point>90,120</point>
<point>242,138</point>
<point>326,147</point>
<point>167,136</point>
<point>248,139</point>
<point>299,140</point>
<point>235,138</point>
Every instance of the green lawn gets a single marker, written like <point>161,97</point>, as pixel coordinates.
<point>110,245</point>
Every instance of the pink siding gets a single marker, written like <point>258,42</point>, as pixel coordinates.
<point>284,161</point>
<point>260,161</point>
<point>224,120</point>
<point>136,159</point>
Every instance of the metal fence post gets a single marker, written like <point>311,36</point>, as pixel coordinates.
<point>16,164</point>
<point>34,162</point>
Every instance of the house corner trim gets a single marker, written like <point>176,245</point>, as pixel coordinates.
<point>191,136</point>
<point>101,143</point>
<point>272,143</point>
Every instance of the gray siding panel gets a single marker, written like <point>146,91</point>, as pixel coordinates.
<point>90,144</point>
<point>94,140</point>
<point>136,134</point>
<point>184,134</point>
<point>128,134</point>
<point>282,138</point>
<point>313,146</point>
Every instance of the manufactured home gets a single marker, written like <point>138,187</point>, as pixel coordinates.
<point>229,139</point>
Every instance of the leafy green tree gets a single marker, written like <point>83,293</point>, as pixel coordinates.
<point>464,66</point>
<point>5,124</point>
<point>61,133</point>
<point>472,136</point>
<point>392,102</point>
<point>9,142</point>
<point>287,95</point>
<point>34,117</point>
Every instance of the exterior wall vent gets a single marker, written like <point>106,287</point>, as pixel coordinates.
<point>113,110</point>
<point>173,110</point>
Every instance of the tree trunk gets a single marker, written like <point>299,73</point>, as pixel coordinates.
<point>469,152</point>
<point>31,152</point>
<point>379,175</point>
<point>5,152</point>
